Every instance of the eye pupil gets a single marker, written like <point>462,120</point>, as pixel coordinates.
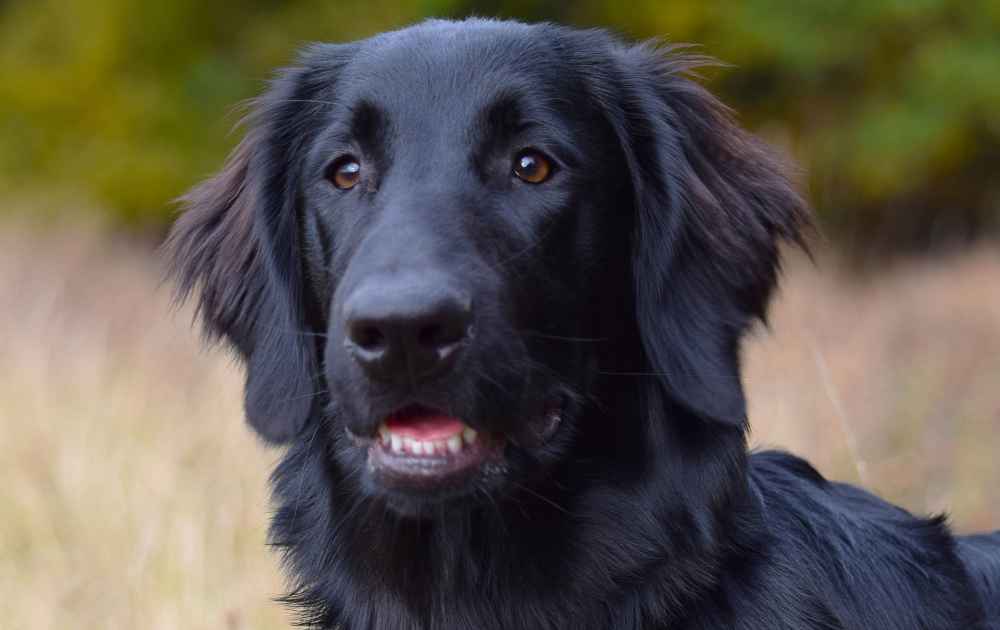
<point>345,172</point>
<point>532,167</point>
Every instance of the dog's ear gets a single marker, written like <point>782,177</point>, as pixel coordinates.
<point>237,247</point>
<point>712,206</point>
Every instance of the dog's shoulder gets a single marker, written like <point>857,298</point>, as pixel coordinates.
<point>873,563</point>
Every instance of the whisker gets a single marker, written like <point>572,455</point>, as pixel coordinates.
<point>305,100</point>
<point>542,498</point>
<point>496,507</point>
<point>302,477</point>
<point>533,333</point>
<point>486,377</point>
<point>526,249</point>
<point>316,394</point>
<point>607,373</point>
<point>303,333</point>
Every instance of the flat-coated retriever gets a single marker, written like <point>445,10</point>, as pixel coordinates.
<point>490,281</point>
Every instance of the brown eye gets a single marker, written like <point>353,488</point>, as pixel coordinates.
<point>531,166</point>
<point>345,172</point>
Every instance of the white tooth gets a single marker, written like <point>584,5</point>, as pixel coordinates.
<point>470,435</point>
<point>397,443</point>
<point>455,444</point>
<point>440,448</point>
<point>383,433</point>
<point>417,447</point>
<point>428,448</point>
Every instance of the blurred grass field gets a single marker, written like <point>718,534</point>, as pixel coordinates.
<point>134,497</point>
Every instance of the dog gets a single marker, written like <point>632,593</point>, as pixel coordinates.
<point>490,280</point>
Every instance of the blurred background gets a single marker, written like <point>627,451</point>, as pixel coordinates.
<point>132,495</point>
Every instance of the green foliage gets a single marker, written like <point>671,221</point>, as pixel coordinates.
<point>127,104</point>
<point>891,106</point>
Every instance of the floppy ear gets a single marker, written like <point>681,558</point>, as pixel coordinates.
<point>712,205</point>
<point>237,246</point>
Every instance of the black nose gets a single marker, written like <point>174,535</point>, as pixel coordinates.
<point>406,330</point>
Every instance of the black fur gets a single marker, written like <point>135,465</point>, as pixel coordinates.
<point>623,286</point>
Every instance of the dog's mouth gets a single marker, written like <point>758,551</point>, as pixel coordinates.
<point>425,433</point>
<point>419,448</point>
<point>425,450</point>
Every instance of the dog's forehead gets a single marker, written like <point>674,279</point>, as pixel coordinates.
<point>454,70</point>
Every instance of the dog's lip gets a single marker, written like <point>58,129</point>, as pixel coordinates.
<point>419,449</point>
<point>420,423</point>
<point>422,448</point>
<point>421,472</point>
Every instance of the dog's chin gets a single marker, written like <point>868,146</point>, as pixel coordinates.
<point>421,459</point>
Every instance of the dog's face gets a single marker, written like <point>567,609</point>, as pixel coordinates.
<point>463,209</point>
<point>441,245</point>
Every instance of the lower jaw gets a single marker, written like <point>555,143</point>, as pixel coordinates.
<point>429,478</point>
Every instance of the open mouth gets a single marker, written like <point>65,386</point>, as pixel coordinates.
<point>424,449</point>
<point>419,433</point>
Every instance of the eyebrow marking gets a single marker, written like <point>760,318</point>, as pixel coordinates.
<point>368,127</point>
<point>504,115</point>
<point>368,123</point>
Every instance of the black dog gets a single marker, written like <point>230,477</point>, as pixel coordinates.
<point>490,281</point>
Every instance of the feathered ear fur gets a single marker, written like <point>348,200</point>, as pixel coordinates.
<point>712,205</point>
<point>237,246</point>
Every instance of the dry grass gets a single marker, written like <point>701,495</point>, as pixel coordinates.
<point>133,497</point>
<point>891,380</point>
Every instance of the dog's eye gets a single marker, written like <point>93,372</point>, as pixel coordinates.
<point>531,166</point>
<point>344,172</point>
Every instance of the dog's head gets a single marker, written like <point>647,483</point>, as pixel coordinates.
<point>462,248</point>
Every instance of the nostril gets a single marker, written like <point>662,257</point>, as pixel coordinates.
<point>368,337</point>
<point>430,336</point>
<point>436,336</point>
<point>439,335</point>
